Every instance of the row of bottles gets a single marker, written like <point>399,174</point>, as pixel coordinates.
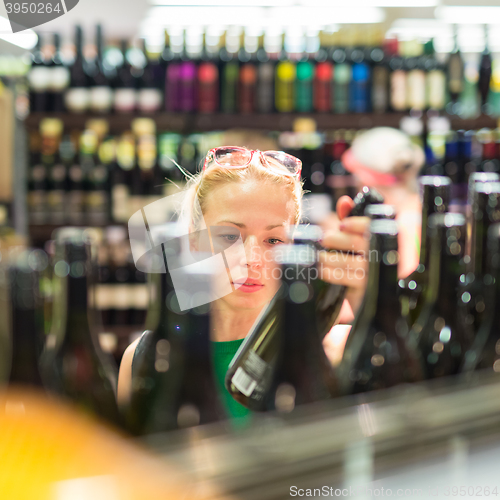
<point>455,329</point>
<point>344,72</point>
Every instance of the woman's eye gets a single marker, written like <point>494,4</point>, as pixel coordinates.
<point>229,237</point>
<point>275,241</point>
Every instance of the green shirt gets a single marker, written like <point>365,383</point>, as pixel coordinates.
<point>222,354</point>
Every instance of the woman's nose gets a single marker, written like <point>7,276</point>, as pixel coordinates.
<point>253,252</point>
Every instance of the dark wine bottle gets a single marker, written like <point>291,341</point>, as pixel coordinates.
<point>342,76</point>
<point>322,83</point>
<point>398,80</point>
<point>442,335</point>
<point>58,80</point>
<point>485,71</point>
<point>455,74</point>
<point>435,198</point>
<point>485,209</point>
<point>379,81</point>
<point>149,96</point>
<point>172,380</point>
<point>77,96</point>
<point>285,84</point>
<point>208,80</point>
<point>101,93</point>
<point>27,321</point>
<point>73,364</point>
<point>171,57</point>
<point>39,79</point>
<point>485,351</point>
<point>305,78</point>
<point>247,84</point>
<point>267,57</point>
<point>37,182</point>
<point>271,373</point>
<point>125,93</point>
<point>377,355</point>
<point>435,79</point>
<point>360,84</point>
<point>187,77</point>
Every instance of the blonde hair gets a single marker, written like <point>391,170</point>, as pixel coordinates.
<point>201,184</point>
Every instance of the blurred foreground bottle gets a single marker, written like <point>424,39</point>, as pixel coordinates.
<point>485,351</point>
<point>440,330</point>
<point>485,211</point>
<point>377,354</point>
<point>73,363</point>
<point>281,363</point>
<point>435,197</point>
<point>27,319</point>
<point>173,384</point>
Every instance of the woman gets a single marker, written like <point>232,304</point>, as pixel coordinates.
<point>259,194</point>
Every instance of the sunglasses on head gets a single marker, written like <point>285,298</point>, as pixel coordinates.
<point>236,157</point>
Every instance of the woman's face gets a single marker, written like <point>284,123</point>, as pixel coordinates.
<point>262,213</point>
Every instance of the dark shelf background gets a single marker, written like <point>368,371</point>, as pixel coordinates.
<point>186,123</point>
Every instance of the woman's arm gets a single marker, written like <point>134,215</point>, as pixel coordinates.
<point>125,375</point>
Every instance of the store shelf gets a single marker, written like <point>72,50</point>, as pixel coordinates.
<point>185,123</point>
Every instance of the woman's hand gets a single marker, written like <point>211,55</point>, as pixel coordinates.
<point>340,267</point>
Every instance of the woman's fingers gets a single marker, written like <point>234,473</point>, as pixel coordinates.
<point>357,225</point>
<point>344,206</point>
<point>343,269</point>
<point>340,240</point>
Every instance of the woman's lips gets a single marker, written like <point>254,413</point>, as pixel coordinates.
<point>249,286</point>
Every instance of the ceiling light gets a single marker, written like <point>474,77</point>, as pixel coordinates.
<point>26,39</point>
<point>264,17</point>
<point>467,15</point>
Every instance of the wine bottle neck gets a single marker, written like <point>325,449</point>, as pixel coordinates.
<point>382,297</point>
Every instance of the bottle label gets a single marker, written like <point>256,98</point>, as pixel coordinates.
<point>140,296</point>
<point>149,100</point>
<point>398,90</point>
<point>103,297</point>
<point>76,201</point>
<point>416,89</point>
<point>122,296</point>
<point>101,99</point>
<point>252,377</point>
<point>436,89</point>
<point>36,204</point>
<point>77,99</point>
<point>121,209</point>
<point>39,78</point>
<point>59,78</point>
<point>380,89</point>
<point>125,100</point>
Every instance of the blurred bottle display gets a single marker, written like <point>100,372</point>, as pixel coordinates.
<point>435,198</point>
<point>73,363</point>
<point>27,318</point>
<point>441,331</point>
<point>349,71</point>
<point>377,354</point>
<point>173,385</point>
<point>270,373</point>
